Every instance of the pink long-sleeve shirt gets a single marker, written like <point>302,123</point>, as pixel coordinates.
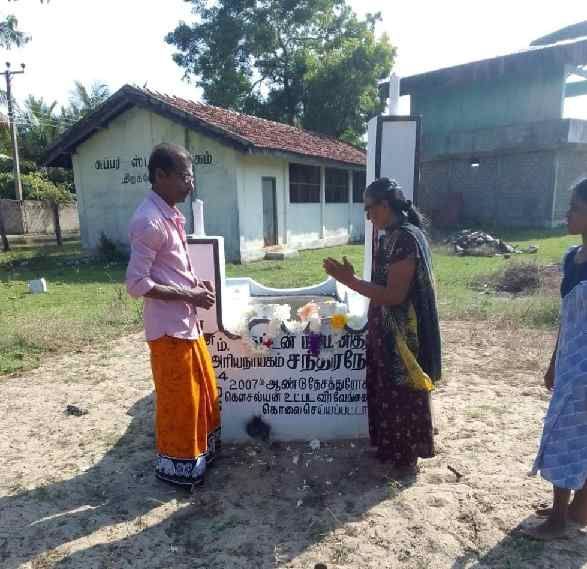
<point>158,255</point>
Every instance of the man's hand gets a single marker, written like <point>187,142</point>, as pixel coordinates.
<point>549,378</point>
<point>201,297</point>
<point>209,285</point>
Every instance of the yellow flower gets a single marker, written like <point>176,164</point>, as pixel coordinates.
<point>338,321</point>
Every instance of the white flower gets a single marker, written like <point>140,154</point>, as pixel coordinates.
<point>315,324</point>
<point>295,326</point>
<point>282,312</point>
<point>274,328</point>
<point>356,321</point>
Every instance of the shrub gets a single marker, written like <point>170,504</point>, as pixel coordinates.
<point>35,187</point>
<point>109,250</point>
<point>6,166</point>
<point>519,278</point>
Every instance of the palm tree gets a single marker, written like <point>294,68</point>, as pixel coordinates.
<point>84,100</point>
<point>10,35</point>
<point>39,126</point>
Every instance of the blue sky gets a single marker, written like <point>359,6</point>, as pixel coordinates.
<point>121,41</point>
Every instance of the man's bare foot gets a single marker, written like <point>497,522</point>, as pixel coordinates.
<point>573,514</point>
<point>546,531</point>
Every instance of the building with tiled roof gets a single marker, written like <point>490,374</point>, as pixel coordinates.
<point>264,184</point>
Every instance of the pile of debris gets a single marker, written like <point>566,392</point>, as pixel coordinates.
<point>481,244</point>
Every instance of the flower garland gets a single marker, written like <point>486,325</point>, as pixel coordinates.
<point>309,322</point>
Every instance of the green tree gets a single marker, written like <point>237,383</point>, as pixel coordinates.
<point>35,186</point>
<point>40,126</point>
<point>311,63</point>
<point>83,100</point>
<point>5,139</point>
<point>342,94</point>
<point>10,35</point>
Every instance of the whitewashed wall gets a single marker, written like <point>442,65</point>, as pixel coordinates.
<point>303,225</point>
<point>111,173</point>
<point>358,222</point>
<point>111,176</point>
<point>252,170</point>
<point>216,185</point>
<point>336,223</point>
<point>109,196</point>
<point>302,220</point>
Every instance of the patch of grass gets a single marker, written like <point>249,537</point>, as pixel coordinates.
<point>456,278</point>
<point>341,553</point>
<point>87,303</point>
<point>304,270</point>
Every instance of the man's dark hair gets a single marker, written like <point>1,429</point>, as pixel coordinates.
<point>166,156</point>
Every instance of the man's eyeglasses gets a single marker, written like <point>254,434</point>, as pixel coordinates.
<point>187,178</point>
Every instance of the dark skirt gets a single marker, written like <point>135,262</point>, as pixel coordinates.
<point>400,418</point>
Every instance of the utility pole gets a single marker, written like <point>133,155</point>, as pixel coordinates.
<point>15,161</point>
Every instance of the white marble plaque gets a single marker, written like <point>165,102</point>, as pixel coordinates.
<point>299,395</point>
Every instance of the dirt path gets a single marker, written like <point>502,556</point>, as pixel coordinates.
<point>78,492</point>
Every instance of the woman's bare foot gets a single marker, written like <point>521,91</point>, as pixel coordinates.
<point>547,530</point>
<point>405,470</point>
<point>574,514</point>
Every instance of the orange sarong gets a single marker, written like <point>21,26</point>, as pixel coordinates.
<point>187,408</point>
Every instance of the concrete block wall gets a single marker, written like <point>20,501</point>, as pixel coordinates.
<point>35,217</point>
<point>571,169</point>
<point>514,190</point>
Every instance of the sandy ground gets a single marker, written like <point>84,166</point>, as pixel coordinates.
<point>78,492</point>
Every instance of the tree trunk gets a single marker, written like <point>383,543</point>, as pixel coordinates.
<point>56,223</point>
<point>5,244</point>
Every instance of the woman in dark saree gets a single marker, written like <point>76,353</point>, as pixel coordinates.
<point>402,309</point>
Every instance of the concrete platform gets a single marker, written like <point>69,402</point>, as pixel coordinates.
<point>280,254</point>
<point>41,239</point>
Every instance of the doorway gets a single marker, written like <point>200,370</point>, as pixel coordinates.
<point>269,212</point>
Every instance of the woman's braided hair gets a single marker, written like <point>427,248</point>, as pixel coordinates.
<point>389,191</point>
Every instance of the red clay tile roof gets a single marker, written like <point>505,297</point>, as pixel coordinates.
<point>267,135</point>
<point>246,132</point>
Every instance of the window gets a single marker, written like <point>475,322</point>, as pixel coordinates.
<point>359,183</point>
<point>304,183</point>
<point>337,186</point>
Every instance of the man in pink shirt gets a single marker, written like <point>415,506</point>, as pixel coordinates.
<point>187,415</point>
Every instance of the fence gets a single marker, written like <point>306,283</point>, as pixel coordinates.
<point>35,217</point>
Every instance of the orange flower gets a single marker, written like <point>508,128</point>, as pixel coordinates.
<point>307,311</point>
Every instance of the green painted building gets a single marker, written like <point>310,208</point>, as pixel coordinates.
<point>495,146</point>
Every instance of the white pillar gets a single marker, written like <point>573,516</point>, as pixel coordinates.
<point>371,141</point>
<point>394,94</point>
<point>350,205</point>
<point>285,201</point>
<point>322,201</point>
